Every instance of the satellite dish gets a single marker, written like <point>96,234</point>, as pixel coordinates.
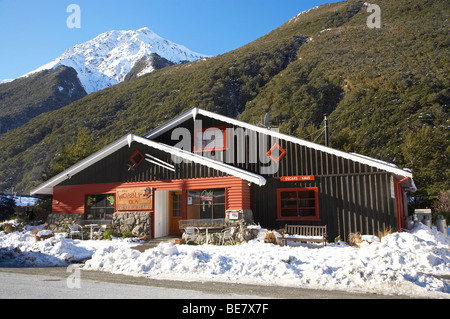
<point>266,120</point>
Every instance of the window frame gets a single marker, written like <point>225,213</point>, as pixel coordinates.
<point>213,204</point>
<point>316,217</point>
<point>107,208</point>
<point>196,149</point>
<point>177,197</point>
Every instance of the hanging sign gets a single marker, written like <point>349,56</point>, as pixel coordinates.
<point>135,199</point>
<point>206,195</point>
<point>298,178</point>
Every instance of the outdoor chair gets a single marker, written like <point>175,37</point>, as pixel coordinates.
<point>191,233</point>
<point>75,230</point>
<point>227,233</point>
<point>101,231</point>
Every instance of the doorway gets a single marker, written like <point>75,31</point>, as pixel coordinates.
<point>175,212</point>
<point>161,227</point>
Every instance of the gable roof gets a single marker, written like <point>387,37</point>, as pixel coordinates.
<point>351,156</point>
<point>47,187</point>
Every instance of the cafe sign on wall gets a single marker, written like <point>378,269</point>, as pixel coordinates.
<point>134,199</point>
<point>297,178</point>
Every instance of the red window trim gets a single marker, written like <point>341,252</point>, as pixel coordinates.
<point>297,189</point>
<point>222,148</point>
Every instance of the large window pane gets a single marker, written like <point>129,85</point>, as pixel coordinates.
<point>99,206</point>
<point>307,212</point>
<point>206,204</point>
<point>219,196</point>
<point>219,211</point>
<point>298,203</point>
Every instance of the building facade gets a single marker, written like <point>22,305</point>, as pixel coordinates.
<point>201,165</point>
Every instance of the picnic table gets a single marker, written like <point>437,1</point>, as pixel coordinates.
<point>91,226</point>
<point>95,224</point>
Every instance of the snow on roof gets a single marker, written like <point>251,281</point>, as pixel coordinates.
<point>354,157</point>
<point>47,187</point>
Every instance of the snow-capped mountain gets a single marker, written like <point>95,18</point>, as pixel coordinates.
<point>109,57</point>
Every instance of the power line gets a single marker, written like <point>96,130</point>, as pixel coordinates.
<point>321,132</point>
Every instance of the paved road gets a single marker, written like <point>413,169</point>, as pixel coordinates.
<point>75,283</point>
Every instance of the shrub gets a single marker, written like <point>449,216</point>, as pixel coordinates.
<point>8,228</point>
<point>127,234</point>
<point>108,234</point>
<point>385,232</point>
<point>354,239</point>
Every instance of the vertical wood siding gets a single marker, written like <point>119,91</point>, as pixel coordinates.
<point>353,197</point>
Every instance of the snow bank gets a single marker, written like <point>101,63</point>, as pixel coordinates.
<point>21,249</point>
<point>401,263</point>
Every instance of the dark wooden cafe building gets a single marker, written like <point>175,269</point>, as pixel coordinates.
<point>202,165</point>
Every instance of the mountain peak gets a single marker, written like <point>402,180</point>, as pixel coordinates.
<point>109,57</point>
<point>145,30</point>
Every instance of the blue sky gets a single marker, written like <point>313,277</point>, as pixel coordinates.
<point>32,32</point>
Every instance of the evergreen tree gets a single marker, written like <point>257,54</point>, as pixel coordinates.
<point>427,156</point>
<point>7,206</point>
<point>74,152</point>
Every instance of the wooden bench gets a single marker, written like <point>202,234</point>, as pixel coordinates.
<point>315,234</point>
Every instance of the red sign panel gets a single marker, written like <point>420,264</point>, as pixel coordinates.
<point>297,178</point>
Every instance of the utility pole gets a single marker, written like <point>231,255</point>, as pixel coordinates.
<point>327,138</point>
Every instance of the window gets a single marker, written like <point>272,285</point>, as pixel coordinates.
<point>100,206</point>
<point>206,204</point>
<point>177,203</point>
<point>298,203</point>
<point>210,139</point>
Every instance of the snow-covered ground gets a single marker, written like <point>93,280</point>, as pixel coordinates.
<point>407,263</point>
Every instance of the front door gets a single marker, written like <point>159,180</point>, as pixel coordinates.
<point>175,209</point>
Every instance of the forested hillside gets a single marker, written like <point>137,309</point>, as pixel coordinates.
<point>26,97</point>
<point>385,90</point>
